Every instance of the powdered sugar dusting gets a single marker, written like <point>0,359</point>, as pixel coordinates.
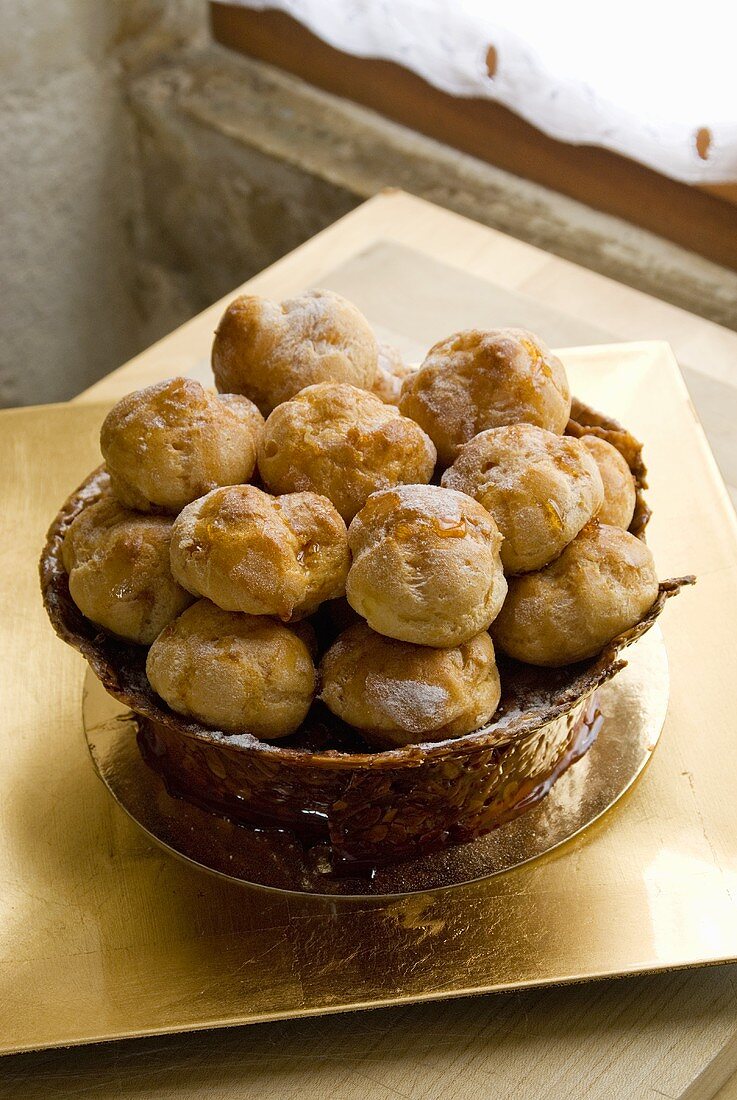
<point>410,704</point>
<point>434,500</point>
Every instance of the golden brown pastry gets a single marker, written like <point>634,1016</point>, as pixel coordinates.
<point>236,673</point>
<point>248,551</point>
<point>344,443</point>
<point>619,485</point>
<point>476,380</point>
<point>426,565</point>
<point>172,442</point>
<point>269,350</point>
<point>541,489</point>
<point>119,572</point>
<point>400,694</point>
<point>602,584</point>
<point>391,372</point>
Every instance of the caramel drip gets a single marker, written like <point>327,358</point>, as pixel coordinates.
<point>449,527</point>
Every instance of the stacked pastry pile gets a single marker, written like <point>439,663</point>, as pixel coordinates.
<point>445,505</point>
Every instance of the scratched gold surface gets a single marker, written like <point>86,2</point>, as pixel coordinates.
<point>105,934</point>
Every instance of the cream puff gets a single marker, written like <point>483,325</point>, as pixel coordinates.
<point>119,572</point>
<point>426,566</point>
<point>170,443</point>
<point>235,673</point>
<point>343,443</point>
<point>398,694</point>
<point>541,489</point>
<point>391,372</point>
<point>247,551</point>
<point>620,495</point>
<point>269,351</point>
<point>601,585</point>
<point>476,380</point>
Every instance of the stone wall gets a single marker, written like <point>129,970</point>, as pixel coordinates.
<point>70,308</point>
<point>66,270</point>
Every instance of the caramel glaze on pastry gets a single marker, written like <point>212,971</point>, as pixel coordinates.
<point>426,565</point>
<point>620,494</point>
<point>251,552</point>
<point>269,351</point>
<point>170,443</point>
<point>476,380</point>
<point>391,372</point>
<point>602,584</point>
<point>398,694</point>
<point>344,443</point>
<point>541,489</point>
<point>119,572</point>
<point>236,673</point>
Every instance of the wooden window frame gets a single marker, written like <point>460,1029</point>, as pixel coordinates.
<point>701,219</point>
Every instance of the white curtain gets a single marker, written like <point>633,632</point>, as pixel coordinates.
<point>653,80</point>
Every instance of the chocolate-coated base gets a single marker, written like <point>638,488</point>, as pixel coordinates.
<point>632,710</point>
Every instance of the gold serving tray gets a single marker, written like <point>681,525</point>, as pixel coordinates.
<point>105,934</point>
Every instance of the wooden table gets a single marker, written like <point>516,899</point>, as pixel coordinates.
<point>419,272</point>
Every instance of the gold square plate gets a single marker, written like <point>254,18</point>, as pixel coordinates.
<point>105,935</point>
